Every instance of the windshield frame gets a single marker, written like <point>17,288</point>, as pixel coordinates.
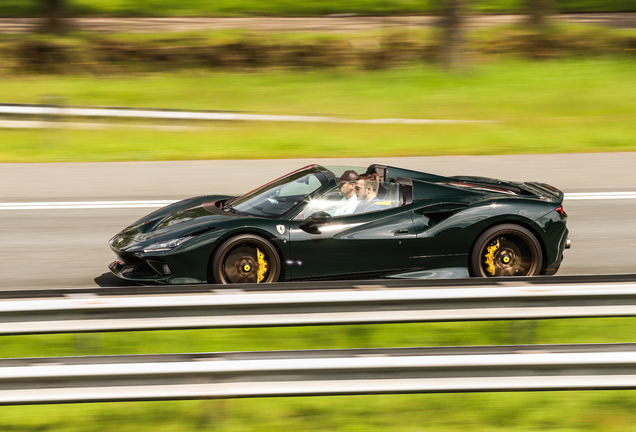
<point>243,203</point>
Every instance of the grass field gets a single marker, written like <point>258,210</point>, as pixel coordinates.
<point>290,8</point>
<point>606,411</point>
<point>560,106</point>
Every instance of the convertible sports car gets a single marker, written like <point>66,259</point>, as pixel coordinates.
<point>326,223</point>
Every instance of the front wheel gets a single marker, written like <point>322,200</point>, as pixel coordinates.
<point>506,250</point>
<point>245,259</point>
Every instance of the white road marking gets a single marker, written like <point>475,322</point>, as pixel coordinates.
<point>162,203</point>
<point>600,195</point>
<point>84,205</point>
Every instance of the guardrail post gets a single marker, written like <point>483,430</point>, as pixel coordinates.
<point>52,121</point>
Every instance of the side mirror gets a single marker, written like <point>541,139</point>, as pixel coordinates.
<point>310,224</point>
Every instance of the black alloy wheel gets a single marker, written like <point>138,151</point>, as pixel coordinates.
<point>506,250</point>
<point>245,259</point>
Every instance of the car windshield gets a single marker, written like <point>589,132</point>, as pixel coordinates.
<point>277,198</point>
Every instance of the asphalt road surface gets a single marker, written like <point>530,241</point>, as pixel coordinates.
<point>69,247</point>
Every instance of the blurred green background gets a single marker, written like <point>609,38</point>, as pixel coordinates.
<point>527,87</point>
<point>294,8</point>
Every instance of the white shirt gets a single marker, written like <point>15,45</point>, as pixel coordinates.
<point>347,207</point>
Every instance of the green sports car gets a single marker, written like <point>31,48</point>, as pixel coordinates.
<point>350,223</point>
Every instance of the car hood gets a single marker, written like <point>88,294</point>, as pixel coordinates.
<point>188,221</point>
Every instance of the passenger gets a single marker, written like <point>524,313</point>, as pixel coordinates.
<point>367,192</point>
<point>347,190</point>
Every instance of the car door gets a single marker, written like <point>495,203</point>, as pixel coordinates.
<point>356,244</point>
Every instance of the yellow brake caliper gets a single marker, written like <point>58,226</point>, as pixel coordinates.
<point>490,258</point>
<point>262,265</point>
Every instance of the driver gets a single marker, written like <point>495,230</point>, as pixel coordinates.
<point>347,190</point>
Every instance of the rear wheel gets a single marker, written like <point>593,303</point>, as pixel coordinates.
<point>245,259</point>
<point>506,250</point>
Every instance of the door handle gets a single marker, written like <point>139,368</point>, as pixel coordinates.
<point>403,231</point>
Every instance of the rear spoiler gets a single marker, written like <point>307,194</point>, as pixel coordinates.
<point>544,191</point>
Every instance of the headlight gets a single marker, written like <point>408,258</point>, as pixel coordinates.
<point>167,245</point>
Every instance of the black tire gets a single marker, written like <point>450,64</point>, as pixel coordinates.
<point>237,261</point>
<point>506,250</point>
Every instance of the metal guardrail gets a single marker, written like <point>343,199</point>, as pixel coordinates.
<point>314,373</point>
<point>150,113</point>
<point>112,286</point>
<point>360,304</point>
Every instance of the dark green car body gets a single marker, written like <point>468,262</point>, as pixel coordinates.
<point>430,230</point>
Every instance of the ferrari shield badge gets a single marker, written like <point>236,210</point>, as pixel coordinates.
<point>280,228</point>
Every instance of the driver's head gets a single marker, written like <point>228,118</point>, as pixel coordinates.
<point>348,183</point>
